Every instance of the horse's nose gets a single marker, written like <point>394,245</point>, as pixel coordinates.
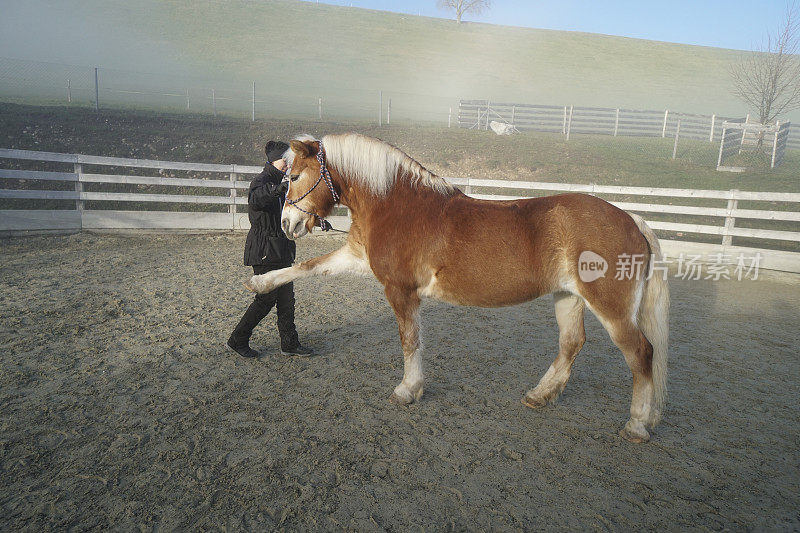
<point>285,226</point>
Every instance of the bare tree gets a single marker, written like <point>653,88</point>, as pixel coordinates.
<point>768,80</point>
<point>464,6</point>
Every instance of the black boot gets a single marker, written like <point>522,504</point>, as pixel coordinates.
<point>290,345</point>
<point>296,349</point>
<point>239,340</point>
<point>242,349</point>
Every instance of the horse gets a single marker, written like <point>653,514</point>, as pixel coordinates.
<point>421,237</point>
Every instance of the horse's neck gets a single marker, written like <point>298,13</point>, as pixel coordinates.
<point>402,199</point>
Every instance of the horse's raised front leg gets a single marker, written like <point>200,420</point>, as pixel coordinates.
<point>406,306</point>
<point>347,259</point>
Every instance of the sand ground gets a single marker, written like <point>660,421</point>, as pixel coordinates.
<point>121,407</point>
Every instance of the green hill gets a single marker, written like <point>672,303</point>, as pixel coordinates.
<point>298,51</point>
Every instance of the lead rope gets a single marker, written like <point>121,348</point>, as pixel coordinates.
<point>325,173</point>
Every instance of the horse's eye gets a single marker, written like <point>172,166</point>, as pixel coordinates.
<point>294,177</point>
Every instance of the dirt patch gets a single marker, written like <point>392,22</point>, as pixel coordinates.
<point>122,407</point>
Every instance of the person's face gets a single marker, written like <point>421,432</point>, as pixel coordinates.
<point>280,164</point>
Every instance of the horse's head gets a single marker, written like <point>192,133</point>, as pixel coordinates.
<point>309,198</point>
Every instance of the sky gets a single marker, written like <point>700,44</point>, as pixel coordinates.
<point>738,24</point>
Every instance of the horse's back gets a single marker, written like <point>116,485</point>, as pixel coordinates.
<point>496,253</point>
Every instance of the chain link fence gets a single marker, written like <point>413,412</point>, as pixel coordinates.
<point>41,83</point>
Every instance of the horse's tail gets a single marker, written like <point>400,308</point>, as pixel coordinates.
<point>653,319</point>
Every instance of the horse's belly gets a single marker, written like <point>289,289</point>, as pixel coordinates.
<point>463,290</point>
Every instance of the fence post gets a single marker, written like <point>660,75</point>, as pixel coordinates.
<point>187,99</point>
<point>449,116</point>
<point>727,238</point>
<point>711,135</point>
<point>564,124</point>
<point>664,128</point>
<point>569,122</point>
<point>513,113</point>
<point>380,108</point>
<point>775,142</point>
<point>721,144</point>
<point>214,101</point>
<point>69,91</point>
<point>467,188</point>
<point>320,107</point>
<point>232,207</point>
<point>389,112</point>
<point>488,108</point>
<point>677,134</point>
<point>253,115</point>
<point>616,123</point>
<point>78,169</point>
<point>96,92</point>
<point>744,132</point>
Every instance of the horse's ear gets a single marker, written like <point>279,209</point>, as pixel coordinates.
<point>303,149</point>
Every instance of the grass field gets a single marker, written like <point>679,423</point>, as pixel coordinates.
<point>447,151</point>
<point>298,51</point>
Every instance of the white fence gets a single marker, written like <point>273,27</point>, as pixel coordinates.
<point>79,218</point>
<point>723,231</point>
<point>570,119</point>
<point>738,134</point>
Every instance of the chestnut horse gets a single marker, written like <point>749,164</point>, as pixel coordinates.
<point>420,236</point>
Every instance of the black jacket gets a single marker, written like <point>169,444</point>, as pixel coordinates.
<point>266,243</point>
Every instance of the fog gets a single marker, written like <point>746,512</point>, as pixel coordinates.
<point>85,34</point>
<point>153,53</point>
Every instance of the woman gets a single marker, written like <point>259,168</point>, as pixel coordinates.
<point>267,248</point>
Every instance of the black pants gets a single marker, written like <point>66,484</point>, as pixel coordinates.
<point>283,298</point>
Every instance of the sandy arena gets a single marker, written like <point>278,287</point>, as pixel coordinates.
<point>122,407</point>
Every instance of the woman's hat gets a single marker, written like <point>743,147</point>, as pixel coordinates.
<point>275,150</point>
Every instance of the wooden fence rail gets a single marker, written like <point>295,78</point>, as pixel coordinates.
<point>723,229</point>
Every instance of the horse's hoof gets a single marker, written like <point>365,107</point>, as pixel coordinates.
<point>404,395</point>
<point>533,403</point>
<point>634,432</point>
<point>399,400</point>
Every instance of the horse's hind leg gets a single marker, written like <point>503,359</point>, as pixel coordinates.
<point>406,306</point>
<point>569,314</point>
<point>638,354</point>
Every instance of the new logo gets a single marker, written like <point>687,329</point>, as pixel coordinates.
<point>591,266</point>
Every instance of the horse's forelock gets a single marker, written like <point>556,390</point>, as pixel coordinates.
<point>288,155</point>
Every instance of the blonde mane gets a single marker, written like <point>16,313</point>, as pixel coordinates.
<point>376,164</point>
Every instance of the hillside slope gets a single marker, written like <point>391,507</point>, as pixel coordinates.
<point>295,48</point>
